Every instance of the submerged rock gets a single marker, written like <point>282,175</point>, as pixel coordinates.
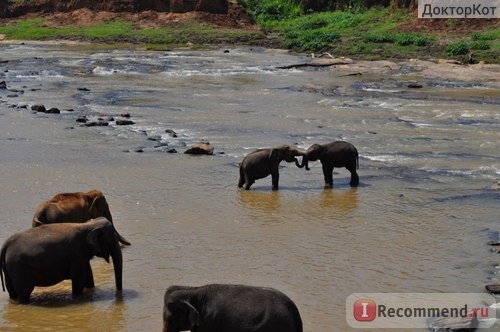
<point>39,108</point>
<point>124,122</point>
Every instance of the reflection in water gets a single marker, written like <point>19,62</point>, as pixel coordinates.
<point>54,308</point>
<point>343,200</point>
<point>78,316</point>
<point>264,201</point>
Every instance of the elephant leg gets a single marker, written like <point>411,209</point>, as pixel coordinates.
<point>78,278</point>
<point>275,176</point>
<point>242,179</point>
<point>10,288</point>
<point>21,289</point>
<point>328,175</point>
<point>24,295</point>
<point>354,176</point>
<point>249,183</point>
<point>89,277</point>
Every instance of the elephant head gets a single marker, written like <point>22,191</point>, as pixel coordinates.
<point>98,206</point>
<point>180,315</point>
<point>313,153</point>
<point>286,153</point>
<point>103,242</point>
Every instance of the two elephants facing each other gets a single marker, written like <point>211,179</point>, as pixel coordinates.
<point>48,254</point>
<point>77,207</point>
<point>262,162</point>
<point>229,308</point>
<point>331,155</point>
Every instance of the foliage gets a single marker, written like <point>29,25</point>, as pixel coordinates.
<point>480,45</point>
<point>265,10</point>
<point>487,35</point>
<point>459,48</point>
<point>405,39</point>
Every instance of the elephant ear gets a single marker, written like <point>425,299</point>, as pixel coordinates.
<point>185,313</point>
<point>94,205</point>
<point>94,239</point>
<point>277,153</point>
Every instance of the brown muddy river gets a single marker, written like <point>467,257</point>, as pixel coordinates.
<point>419,222</point>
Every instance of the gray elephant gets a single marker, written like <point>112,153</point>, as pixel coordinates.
<point>49,254</point>
<point>262,162</point>
<point>229,308</point>
<point>335,154</point>
<point>74,207</point>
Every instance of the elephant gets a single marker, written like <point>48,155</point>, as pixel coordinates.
<point>335,154</point>
<point>262,162</point>
<point>74,207</point>
<point>229,308</point>
<point>48,254</point>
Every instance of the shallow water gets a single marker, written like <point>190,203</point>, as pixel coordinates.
<point>420,220</point>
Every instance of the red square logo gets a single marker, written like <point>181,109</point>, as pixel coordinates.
<point>365,310</point>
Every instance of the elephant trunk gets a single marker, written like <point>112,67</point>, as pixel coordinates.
<point>305,163</point>
<point>122,240</point>
<point>116,255</point>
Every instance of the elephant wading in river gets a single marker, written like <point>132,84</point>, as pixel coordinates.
<point>49,254</point>
<point>229,308</point>
<point>335,154</point>
<point>74,207</point>
<point>260,163</point>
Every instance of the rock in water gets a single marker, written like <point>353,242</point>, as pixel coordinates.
<point>201,148</point>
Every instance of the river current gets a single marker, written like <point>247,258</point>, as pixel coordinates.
<point>420,220</point>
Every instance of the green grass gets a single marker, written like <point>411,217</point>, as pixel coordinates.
<point>126,31</point>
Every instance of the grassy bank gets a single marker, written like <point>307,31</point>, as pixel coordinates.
<point>189,31</point>
<point>377,33</point>
<point>363,34</point>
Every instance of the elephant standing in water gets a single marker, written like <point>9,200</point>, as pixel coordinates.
<point>74,207</point>
<point>49,254</point>
<point>335,154</point>
<point>262,162</point>
<point>229,308</point>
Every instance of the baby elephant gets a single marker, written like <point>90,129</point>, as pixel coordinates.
<point>49,254</point>
<point>260,163</point>
<point>229,308</point>
<point>335,154</point>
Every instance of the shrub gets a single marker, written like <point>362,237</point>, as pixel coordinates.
<point>486,35</point>
<point>273,10</point>
<point>406,39</point>
<point>458,48</point>
<point>380,38</point>
<point>480,45</point>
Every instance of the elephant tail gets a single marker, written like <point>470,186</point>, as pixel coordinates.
<point>357,159</point>
<point>2,264</point>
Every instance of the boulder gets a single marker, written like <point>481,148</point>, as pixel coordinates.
<point>493,288</point>
<point>124,122</point>
<point>38,108</point>
<point>200,148</point>
<point>3,85</point>
<point>53,110</point>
